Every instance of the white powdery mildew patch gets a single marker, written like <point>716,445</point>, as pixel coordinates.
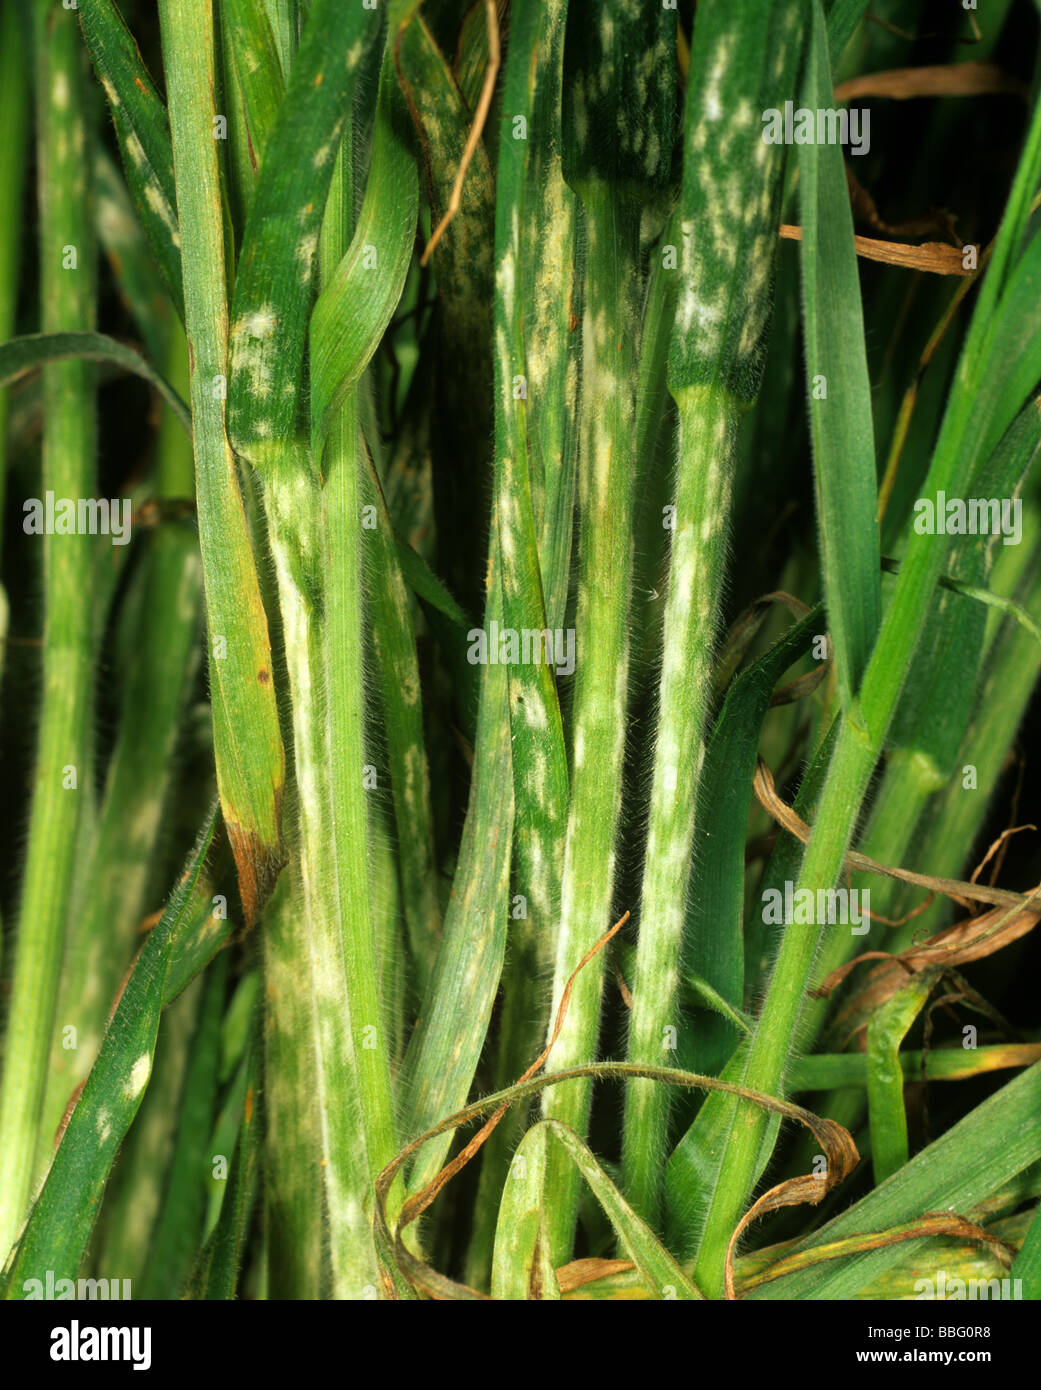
<point>111,93</point>
<point>535,712</point>
<point>757,283</point>
<point>653,155</point>
<point>713,105</point>
<point>538,777</point>
<point>323,155</point>
<point>674,657</point>
<point>508,532</point>
<point>138,1078</point>
<point>409,686</point>
<point>259,324</point>
<point>696,314</point>
<point>667,754</point>
<point>603,447</point>
<point>504,280</point>
<point>305,253</point>
<point>158,204</point>
<point>104,1129</point>
<point>539,885</point>
<point>733,198</point>
<point>259,369</point>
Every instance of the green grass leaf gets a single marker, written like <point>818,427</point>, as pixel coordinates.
<point>885,1080</point>
<point>839,390</point>
<point>143,131</point>
<point>356,304</point>
<point>987,1148</point>
<point>247,738</point>
<point>21,355</point>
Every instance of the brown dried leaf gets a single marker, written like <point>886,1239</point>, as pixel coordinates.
<point>943,80</point>
<point>933,256</point>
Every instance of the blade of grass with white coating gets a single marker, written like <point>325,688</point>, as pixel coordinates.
<point>143,132</point>
<point>63,1215</point>
<point>741,63</point>
<point>293,1187</point>
<point>63,774</point>
<point>343,464</point>
<point>161,670</point>
<point>277,261</point>
<point>137,1183</point>
<point>540,774</point>
<point>247,738</point>
<point>271,304</point>
<point>612,66</point>
<point>548,290</point>
<point>129,254</point>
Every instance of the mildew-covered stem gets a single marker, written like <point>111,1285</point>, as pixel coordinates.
<point>63,775</point>
<point>707,436</point>
<point>350,842</point>
<point>295,530</point>
<point>610,332</point>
